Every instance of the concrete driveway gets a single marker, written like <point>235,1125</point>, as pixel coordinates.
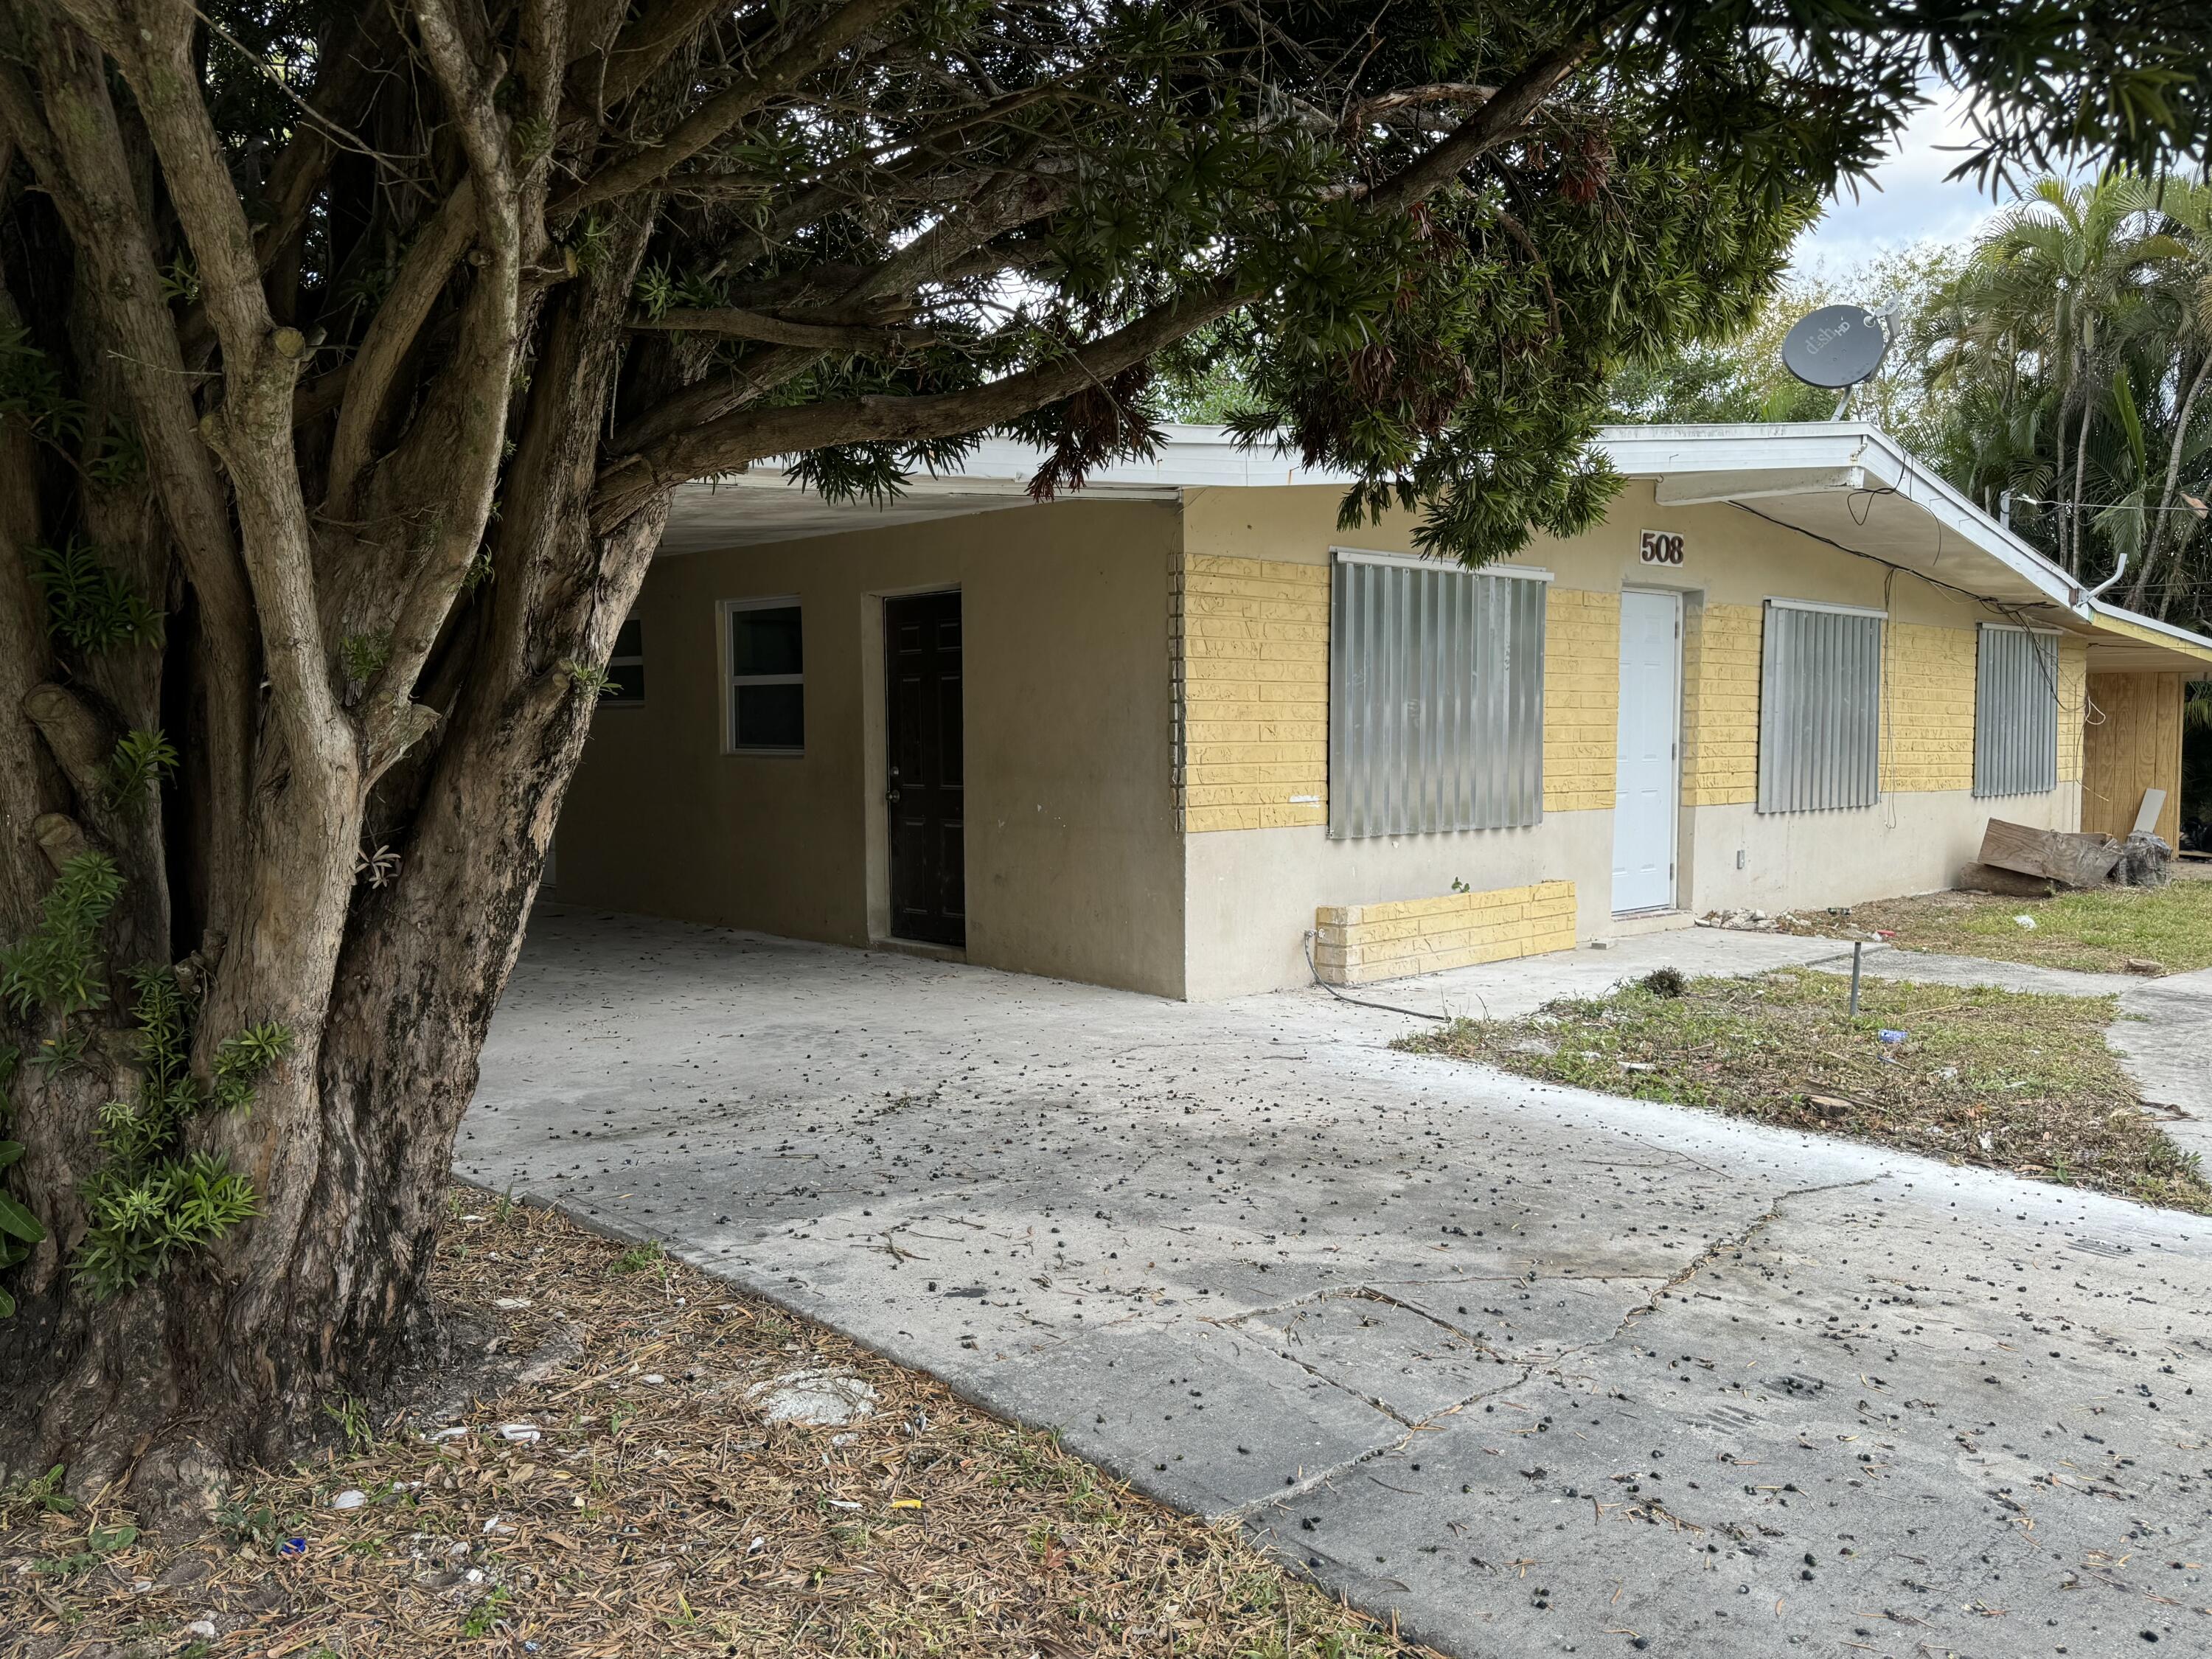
<point>1540,1371</point>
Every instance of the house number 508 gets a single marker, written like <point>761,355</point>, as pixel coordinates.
<point>1661,547</point>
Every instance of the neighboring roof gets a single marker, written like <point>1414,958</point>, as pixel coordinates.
<point>1842,482</point>
<point>2124,641</point>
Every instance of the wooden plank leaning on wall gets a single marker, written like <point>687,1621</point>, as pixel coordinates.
<point>2135,747</point>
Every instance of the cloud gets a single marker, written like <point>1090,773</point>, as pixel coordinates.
<point>1908,200</point>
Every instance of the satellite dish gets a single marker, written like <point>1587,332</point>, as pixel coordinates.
<point>1835,346</point>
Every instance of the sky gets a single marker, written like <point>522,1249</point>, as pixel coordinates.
<point>1914,203</point>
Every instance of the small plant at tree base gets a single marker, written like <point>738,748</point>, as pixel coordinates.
<point>42,1493</point>
<point>351,1415</point>
<point>244,1523</point>
<point>148,1202</point>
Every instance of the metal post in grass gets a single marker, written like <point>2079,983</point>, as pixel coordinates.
<point>1857,947</point>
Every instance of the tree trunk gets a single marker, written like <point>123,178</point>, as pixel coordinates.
<point>215,1365</point>
<point>2159,526</point>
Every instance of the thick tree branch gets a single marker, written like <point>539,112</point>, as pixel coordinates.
<point>759,325</point>
<point>748,435</point>
<point>391,334</point>
<point>639,51</point>
<point>1443,92</point>
<point>79,160</point>
<point>725,389</point>
<point>1518,98</point>
<point>252,428</point>
<point>455,443</point>
<point>721,114</point>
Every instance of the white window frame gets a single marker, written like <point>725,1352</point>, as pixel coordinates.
<point>633,661</point>
<point>1823,604</point>
<point>730,679</point>
<point>1361,556</point>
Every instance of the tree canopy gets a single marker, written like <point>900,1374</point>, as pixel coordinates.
<point>350,355</point>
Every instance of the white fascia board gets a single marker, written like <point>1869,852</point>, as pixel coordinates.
<point>1193,456</point>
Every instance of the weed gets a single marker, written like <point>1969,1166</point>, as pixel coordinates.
<point>641,1259</point>
<point>351,1415</point>
<point>256,1524</point>
<point>485,1617</point>
<point>42,1492</point>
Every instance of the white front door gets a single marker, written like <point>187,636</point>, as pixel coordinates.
<point>1648,785</point>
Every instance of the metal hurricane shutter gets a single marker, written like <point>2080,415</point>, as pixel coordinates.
<point>1435,700</point>
<point>2016,712</point>
<point>1820,709</point>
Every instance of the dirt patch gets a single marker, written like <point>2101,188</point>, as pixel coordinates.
<point>1974,1074</point>
<point>676,1468</point>
<point>2160,929</point>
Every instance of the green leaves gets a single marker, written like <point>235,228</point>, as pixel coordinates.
<point>148,1202</point>
<point>362,654</point>
<point>19,1229</point>
<point>56,968</point>
<point>89,608</point>
<point>137,1225</point>
<point>19,1223</point>
<point>136,767</point>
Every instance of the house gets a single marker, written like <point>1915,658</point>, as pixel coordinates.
<point>1179,733</point>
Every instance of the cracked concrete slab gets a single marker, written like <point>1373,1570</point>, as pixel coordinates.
<point>1536,1369</point>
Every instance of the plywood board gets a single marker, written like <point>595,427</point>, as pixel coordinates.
<point>2131,743</point>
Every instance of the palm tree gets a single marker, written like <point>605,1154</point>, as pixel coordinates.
<point>2037,326</point>
<point>2188,209</point>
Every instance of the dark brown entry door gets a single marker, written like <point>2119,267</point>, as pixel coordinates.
<point>921,651</point>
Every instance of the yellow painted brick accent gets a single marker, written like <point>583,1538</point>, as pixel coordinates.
<point>1582,699</point>
<point>2073,705</point>
<point>1720,704</point>
<point>1928,708</point>
<point>1254,654</point>
<point>1359,944</point>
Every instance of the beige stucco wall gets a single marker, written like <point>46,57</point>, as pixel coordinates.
<point>1252,893</point>
<point>1074,861</point>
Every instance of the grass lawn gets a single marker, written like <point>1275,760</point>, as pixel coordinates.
<point>2098,931</point>
<point>1983,1076</point>
<point>640,1500</point>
